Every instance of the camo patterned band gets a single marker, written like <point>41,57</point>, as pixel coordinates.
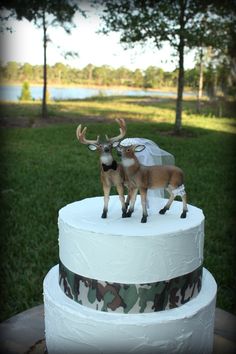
<point>130,298</point>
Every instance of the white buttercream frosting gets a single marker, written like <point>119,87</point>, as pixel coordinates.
<point>72,328</point>
<point>124,250</point>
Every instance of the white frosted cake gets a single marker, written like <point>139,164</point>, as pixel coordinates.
<point>126,287</point>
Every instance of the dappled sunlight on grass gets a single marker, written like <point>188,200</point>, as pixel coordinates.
<point>150,109</point>
<point>227,125</point>
<point>122,108</point>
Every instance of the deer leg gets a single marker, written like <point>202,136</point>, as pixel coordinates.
<point>133,193</point>
<point>120,190</point>
<point>127,202</point>
<point>106,191</point>
<point>185,208</point>
<point>143,193</point>
<point>168,204</point>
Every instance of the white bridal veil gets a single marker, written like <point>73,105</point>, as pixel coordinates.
<point>151,155</point>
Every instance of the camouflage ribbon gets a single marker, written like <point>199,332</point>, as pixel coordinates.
<point>130,298</point>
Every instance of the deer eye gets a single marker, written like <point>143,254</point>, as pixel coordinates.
<point>128,150</point>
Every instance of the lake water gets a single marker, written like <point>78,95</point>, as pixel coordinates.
<point>12,93</point>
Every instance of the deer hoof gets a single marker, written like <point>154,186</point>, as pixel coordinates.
<point>163,211</point>
<point>144,219</point>
<point>128,214</point>
<point>124,214</point>
<point>104,215</point>
<point>184,214</point>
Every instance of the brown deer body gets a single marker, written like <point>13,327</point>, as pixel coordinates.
<point>141,178</point>
<point>111,172</point>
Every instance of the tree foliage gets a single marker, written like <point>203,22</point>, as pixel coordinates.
<point>216,78</point>
<point>182,23</point>
<point>44,13</point>
<point>25,92</point>
<point>61,11</point>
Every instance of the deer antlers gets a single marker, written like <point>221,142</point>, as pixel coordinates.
<point>81,136</point>
<point>122,125</point>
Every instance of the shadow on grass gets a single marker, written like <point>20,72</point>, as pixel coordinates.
<point>214,108</point>
<point>145,109</point>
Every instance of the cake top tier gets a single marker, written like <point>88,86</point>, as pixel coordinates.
<point>126,251</point>
<point>86,215</point>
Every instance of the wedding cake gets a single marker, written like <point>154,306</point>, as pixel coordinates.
<point>126,287</point>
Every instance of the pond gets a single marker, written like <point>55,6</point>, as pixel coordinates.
<point>12,93</point>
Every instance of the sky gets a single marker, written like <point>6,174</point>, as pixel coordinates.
<point>24,44</point>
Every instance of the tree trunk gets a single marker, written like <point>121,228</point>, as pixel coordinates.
<point>200,82</point>
<point>44,101</point>
<point>214,84</point>
<point>178,117</point>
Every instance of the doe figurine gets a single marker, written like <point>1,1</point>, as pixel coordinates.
<point>111,172</point>
<point>141,178</point>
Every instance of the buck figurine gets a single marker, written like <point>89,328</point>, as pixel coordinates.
<point>112,173</point>
<point>141,178</point>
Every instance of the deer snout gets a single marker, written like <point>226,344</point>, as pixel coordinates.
<point>106,149</point>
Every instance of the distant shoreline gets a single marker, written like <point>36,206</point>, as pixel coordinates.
<point>102,87</point>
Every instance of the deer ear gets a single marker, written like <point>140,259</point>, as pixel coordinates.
<point>92,147</point>
<point>115,144</point>
<point>139,148</point>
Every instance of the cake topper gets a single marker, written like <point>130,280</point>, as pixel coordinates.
<point>111,172</point>
<point>141,178</point>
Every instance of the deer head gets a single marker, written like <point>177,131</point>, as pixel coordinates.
<point>104,148</point>
<point>127,152</point>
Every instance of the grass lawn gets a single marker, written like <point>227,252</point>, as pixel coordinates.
<point>44,168</point>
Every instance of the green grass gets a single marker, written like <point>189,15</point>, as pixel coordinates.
<point>43,169</point>
<point>151,109</point>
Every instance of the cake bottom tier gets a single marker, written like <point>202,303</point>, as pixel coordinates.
<point>72,328</point>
